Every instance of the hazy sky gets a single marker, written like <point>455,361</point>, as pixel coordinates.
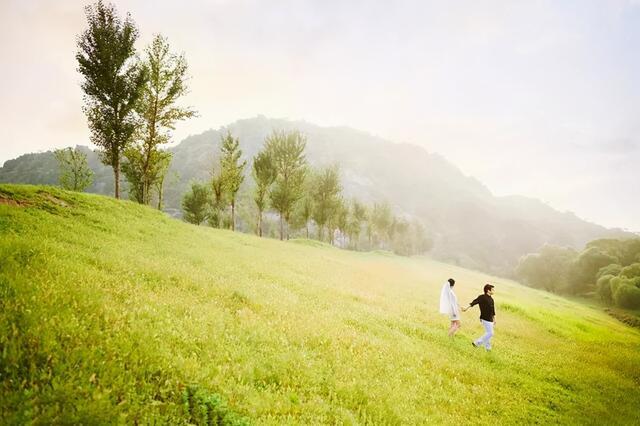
<point>539,98</point>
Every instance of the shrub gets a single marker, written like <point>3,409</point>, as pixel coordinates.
<point>204,408</point>
<point>627,296</point>
<point>615,284</point>
<point>635,281</point>
<point>612,269</point>
<point>631,271</point>
<point>603,288</point>
<point>194,203</point>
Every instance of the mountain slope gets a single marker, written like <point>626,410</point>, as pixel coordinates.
<point>113,312</point>
<point>469,226</point>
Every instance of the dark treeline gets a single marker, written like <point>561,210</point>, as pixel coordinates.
<point>289,198</point>
<point>608,268</point>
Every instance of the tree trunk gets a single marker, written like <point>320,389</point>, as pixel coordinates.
<point>281,227</point>
<point>307,225</point>
<point>233,215</point>
<point>260,223</point>
<point>160,188</point>
<point>116,173</point>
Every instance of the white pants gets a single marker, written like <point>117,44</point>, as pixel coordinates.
<point>488,334</point>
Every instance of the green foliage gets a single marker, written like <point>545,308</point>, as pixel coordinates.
<point>615,283</point>
<point>603,288</point>
<point>603,266</point>
<point>325,191</point>
<point>626,251</point>
<point>286,151</point>
<point>145,171</point>
<point>161,167</point>
<point>158,113</point>
<point>303,212</point>
<point>585,268</point>
<point>338,219</point>
<point>75,173</point>
<point>630,271</point>
<point>195,204</point>
<point>203,408</point>
<point>381,221</point>
<point>160,322</point>
<point>627,295</point>
<point>217,203</point>
<point>549,269</point>
<point>132,168</point>
<point>409,238</point>
<point>232,171</point>
<point>113,81</point>
<point>264,174</point>
<point>357,218</point>
<point>612,269</point>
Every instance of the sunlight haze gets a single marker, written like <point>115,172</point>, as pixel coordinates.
<point>536,98</point>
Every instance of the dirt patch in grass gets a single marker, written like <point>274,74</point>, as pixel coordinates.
<point>625,318</point>
<point>55,200</point>
<point>11,202</point>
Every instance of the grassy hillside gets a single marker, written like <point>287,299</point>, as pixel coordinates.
<point>113,312</point>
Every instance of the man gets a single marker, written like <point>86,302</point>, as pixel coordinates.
<point>487,316</point>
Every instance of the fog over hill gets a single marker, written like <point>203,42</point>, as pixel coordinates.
<point>469,226</point>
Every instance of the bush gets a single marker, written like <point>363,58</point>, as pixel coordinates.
<point>204,408</point>
<point>615,284</point>
<point>603,288</point>
<point>627,296</point>
<point>612,269</point>
<point>195,202</point>
<point>631,271</point>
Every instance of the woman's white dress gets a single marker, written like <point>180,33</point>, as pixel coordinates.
<point>449,302</point>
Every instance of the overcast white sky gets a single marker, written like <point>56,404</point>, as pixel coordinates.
<point>539,98</point>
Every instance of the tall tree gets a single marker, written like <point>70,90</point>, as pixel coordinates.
<point>217,201</point>
<point>381,219</point>
<point>286,150</point>
<point>338,219</point>
<point>356,218</point>
<point>113,81</point>
<point>162,166</point>
<point>232,171</point>
<point>305,211</point>
<point>75,173</point>
<point>158,115</point>
<point>264,175</point>
<point>325,193</point>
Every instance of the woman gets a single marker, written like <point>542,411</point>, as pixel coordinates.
<point>449,305</point>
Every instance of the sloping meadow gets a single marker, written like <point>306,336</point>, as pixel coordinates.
<point>114,312</point>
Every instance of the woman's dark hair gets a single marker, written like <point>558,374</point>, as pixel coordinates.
<point>451,282</point>
<point>487,287</point>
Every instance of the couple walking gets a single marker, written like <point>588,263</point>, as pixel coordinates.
<point>449,306</point>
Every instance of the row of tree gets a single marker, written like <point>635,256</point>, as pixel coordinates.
<point>305,200</point>
<point>130,103</point>
<point>131,108</point>
<point>609,268</point>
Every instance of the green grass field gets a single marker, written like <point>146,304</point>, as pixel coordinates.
<point>111,312</point>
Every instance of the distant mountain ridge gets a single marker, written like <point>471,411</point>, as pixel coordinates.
<point>470,226</point>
